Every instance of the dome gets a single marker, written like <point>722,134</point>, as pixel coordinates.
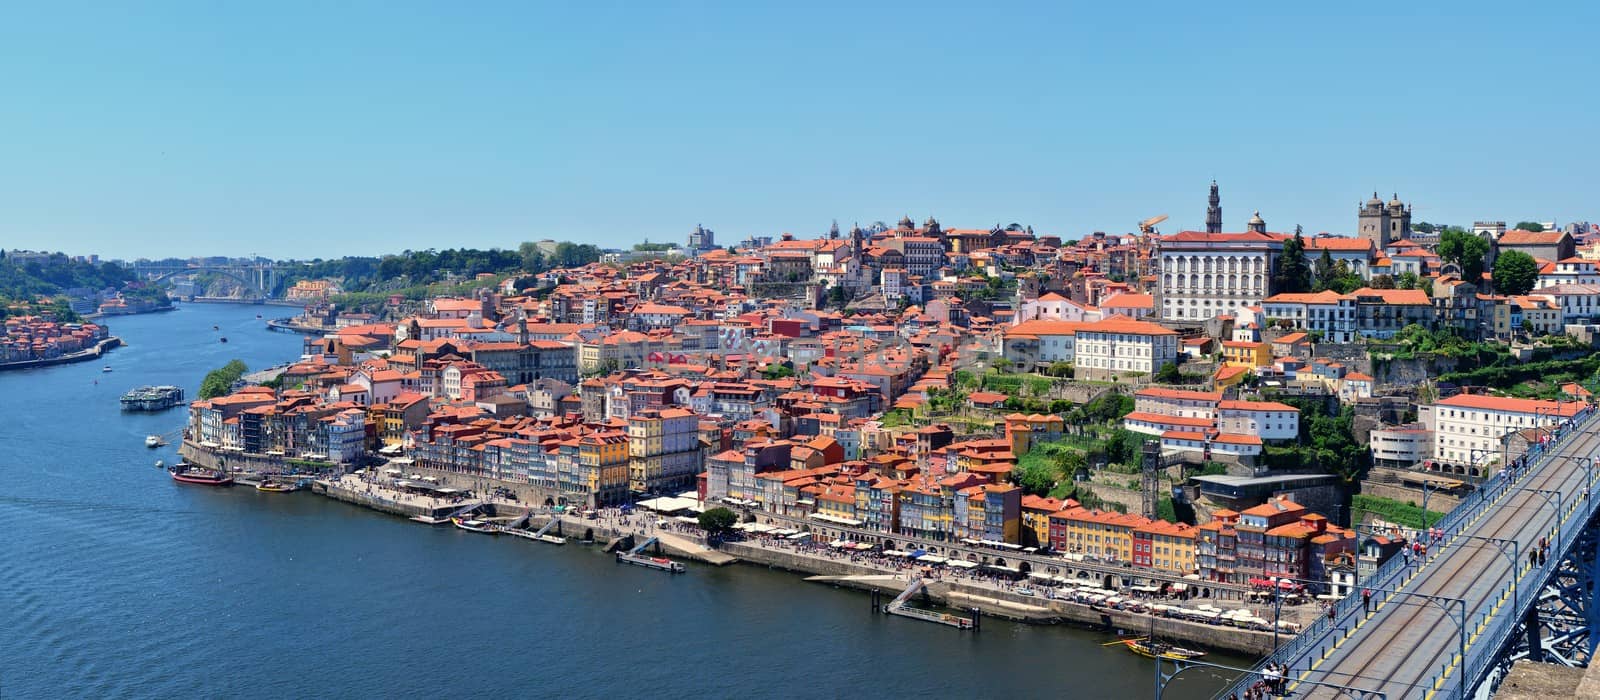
<point>1374,202</point>
<point>1396,201</point>
<point>1257,219</point>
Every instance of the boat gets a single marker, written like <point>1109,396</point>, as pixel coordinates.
<point>531,535</point>
<point>153,441</point>
<point>106,368</point>
<point>276,487</point>
<point>224,339</point>
<point>474,526</point>
<point>152,398</point>
<point>649,562</point>
<point>1143,646</point>
<point>160,464</point>
<point>258,315</point>
<point>216,328</point>
<point>187,474</point>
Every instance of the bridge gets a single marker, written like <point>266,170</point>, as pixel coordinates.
<point>1511,576</point>
<point>257,278</point>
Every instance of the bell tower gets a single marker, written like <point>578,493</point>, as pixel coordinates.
<point>1214,212</point>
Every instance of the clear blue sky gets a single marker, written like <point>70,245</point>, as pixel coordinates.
<point>323,129</point>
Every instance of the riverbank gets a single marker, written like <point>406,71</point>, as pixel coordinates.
<point>99,349</point>
<point>99,315</point>
<point>964,590</point>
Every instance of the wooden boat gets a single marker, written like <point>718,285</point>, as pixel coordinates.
<point>276,487</point>
<point>185,474</point>
<point>474,526</point>
<point>1143,646</point>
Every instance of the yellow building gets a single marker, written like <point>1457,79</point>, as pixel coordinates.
<point>1165,546</point>
<point>603,459</point>
<point>1036,511</point>
<point>1241,353</point>
<point>1103,535</point>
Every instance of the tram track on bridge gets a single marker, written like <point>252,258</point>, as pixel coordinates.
<point>1456,576</point>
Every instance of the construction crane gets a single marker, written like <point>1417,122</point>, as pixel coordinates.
<point>1148,226</point>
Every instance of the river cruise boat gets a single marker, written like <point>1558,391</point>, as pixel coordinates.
<point>474,526</point>
<point>189,474</point>
<point>152,398</point>
<point>1150,649</point>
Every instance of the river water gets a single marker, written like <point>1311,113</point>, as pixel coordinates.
<point>117,582</point>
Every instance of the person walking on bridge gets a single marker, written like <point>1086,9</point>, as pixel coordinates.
<point>1366,600</point>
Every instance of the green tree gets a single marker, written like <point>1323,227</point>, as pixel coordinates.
<point>1466,249</point>
<point>1515,273</point>
<point>219,381</point>
<point>1292,273</point>
<point>1326,272</point>
<point>1034,476</point>
<point>1169,374</point>
<point>1383,282</point>
<point>718,520</point>
<point>838,297</point>
<point>1408,280</point>
<point>1533,226</point>
<point>778,371</point>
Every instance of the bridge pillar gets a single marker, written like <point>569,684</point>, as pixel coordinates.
<point>1530,623</point>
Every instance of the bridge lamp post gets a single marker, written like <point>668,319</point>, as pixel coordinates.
<point>1165,679</point>
<point>1443,603</point>
<point>1546,494</point>
<point>1588,485</point>
<point>1516,556</point>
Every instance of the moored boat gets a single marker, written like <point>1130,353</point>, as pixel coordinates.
<point>1150,649</point>
<point>152,441</point>
<point>187,474</point>
<point>276,487</point>
<point>474,526</point>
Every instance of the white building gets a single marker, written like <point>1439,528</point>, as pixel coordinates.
<point>1580,303</point>
<point>1401,447</point>
<point>1118,345</point>
<point>1177,402</point>
<point>1356,253</point>
<point>1569,271</point>
<point>1268,420</point>
<point>1471,428</point>
<point>1329,313</point>
<point>1207,274</point>
<point>1041,342</point>
<point>1054,307</point>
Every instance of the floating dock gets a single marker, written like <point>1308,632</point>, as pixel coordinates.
<point>649,562</point>
<point>637,557</point>
<point>899,606</point>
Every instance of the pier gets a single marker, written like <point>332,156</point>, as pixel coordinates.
<point>899,606</point>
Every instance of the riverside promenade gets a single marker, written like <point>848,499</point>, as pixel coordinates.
<point>993,595</point>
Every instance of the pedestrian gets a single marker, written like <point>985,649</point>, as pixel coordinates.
<point>1366,600</point>
<point>1332,612</point>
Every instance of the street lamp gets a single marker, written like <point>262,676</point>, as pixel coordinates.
<point>1588,485</point>
<point>1165,679</point>
<point>1516,556</point>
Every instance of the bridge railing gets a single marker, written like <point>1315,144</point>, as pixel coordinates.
<point>1498,629</point>
<point>1319,636</point>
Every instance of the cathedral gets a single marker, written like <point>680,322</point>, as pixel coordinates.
<point>1384,223</point>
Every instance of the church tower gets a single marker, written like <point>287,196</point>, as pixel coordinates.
<point>1214,212</point>
<point>1383,223</point>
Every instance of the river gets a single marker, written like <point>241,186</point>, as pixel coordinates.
<point>116,582</point>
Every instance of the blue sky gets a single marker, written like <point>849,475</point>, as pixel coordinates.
<point>323,129</point>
